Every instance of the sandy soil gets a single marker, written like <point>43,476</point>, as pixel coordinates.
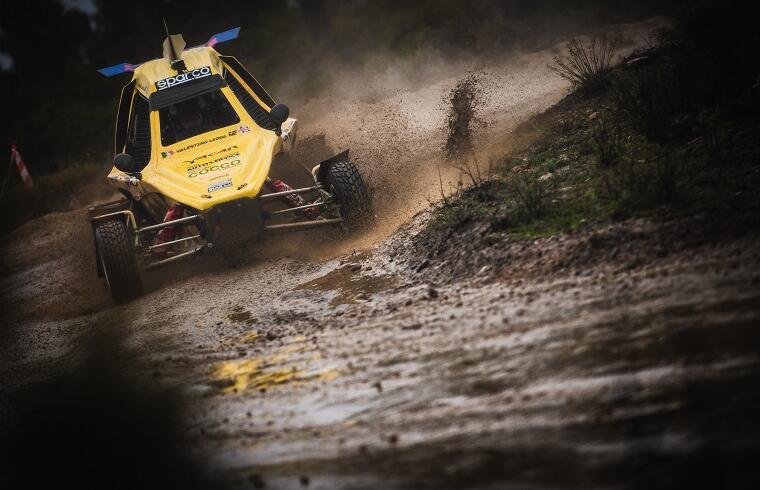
<point>347,365</point>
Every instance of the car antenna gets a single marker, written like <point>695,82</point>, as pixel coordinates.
<point>174,44</point>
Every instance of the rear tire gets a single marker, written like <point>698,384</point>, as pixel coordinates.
<point>348,189</point>
<point>117,260</point>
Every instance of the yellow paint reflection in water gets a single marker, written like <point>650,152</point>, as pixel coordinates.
<point>265,373</point>
<point>251,374</point>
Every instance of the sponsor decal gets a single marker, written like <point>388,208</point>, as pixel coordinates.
<point>244,129</point>
<point>183,78</point>
<point>190,162</point>
<point>220,185</point>
<point>233,132</point>
<point>167,153</point>
<point>214,166</point>
<point>200,143</point>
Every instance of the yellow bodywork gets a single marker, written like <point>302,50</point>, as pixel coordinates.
<point>183,172</point>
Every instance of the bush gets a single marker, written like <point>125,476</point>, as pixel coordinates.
<point>529,194</point>
<point>653,96</point>
<point>606,142</point>
<point>706,62</point>
<point>587,66</point>
<point>634,184</point>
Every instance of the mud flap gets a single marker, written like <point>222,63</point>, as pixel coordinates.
<point>322,168</point>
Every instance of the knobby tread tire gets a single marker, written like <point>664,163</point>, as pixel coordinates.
<point>351,194</point>
<point>119,262</point>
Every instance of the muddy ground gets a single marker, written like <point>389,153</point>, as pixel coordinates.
<point>612,357</point>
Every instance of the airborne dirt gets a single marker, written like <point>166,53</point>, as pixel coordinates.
<point>362,364</point>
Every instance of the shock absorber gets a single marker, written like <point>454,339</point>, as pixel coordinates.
<point>167,233</point>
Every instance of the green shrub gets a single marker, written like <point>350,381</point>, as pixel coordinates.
<point>607,142</point>
<point>652,96</point>
<point>529,195</point>
<point>636,184</point>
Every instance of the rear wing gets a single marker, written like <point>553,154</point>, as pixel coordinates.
<point>220,37</point>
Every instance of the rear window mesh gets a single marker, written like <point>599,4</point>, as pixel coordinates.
<point>257,113</point>
<point>138,137</point>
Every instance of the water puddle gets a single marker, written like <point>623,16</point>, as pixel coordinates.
<point>266,372</point>
<point>349,284</point>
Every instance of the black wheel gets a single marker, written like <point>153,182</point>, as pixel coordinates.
<point>348,189</point>
<point>117,260</point>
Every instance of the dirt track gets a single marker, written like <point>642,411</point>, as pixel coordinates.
<point>344,364</point>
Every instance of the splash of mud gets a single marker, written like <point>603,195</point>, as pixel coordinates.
<point>463,101</point>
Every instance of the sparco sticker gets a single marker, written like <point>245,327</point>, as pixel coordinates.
<point>220,185</point>
<point>183,78</point>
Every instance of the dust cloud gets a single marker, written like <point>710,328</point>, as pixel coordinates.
<point>392,114</point>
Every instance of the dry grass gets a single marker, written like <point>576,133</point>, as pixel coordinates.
<point>587,65</point>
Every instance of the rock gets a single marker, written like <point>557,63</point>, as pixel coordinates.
<point>304,480</point>
<point>413,326</point>
<point>354,267</point>
<point>545,177</point>
<point>271,335</point>
<point>432,293</point>
<point>378,386</point>
<point>198,390</point>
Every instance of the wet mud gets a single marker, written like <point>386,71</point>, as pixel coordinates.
<point>555,363</point>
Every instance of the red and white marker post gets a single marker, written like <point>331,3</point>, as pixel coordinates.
<point>25,175</point>
<point>23,172</point>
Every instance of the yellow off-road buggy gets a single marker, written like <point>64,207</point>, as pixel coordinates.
<point>196,136</point>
